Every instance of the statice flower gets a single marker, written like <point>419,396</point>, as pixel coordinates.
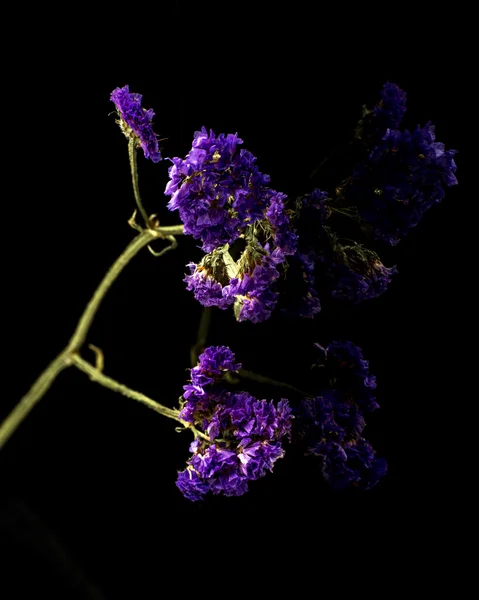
<point>246,434</point>
<point>206,381</point>
<point>217,189</point>
<point>389,111</point>
<point>249,282</point>
<point>255,297</point>
<point>323,267</point>
<point>353,463</point>
<point>386,114</point>
<point>330,425</point>
<point>136,122</point>
<point>354,273</point>
<point>211,279</point>
<point>284,238</point>
<point>299,296</point>
<point>402,177</point>
<point>347,369</point>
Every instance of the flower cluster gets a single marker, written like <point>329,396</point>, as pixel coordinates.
<point>403,175</point>
<point>260,254</point>
<point>330,425</point>
<point>245,434</point>
<point>217,189</point>
<point>223,199</point>
<point>324,267</point>
<point>354,273</point>
<point>300,297</point>
<point>135,121</point>
<point>386,114</point>
<point>389,111</point>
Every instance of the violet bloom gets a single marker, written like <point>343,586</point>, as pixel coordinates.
<point>253,289</point>
<point>246,434</point>
<point>323,267</point>
<point>205,385</point>
<point>386,114</point>
<point>136,122</point>
<point>299,294</point>
<point>330,425</point>
<point>217,189</point>
<point>389,111</point>
<point>249,283</point>
<point>353,463</point>
<point>343,363</point>
<point>404,175</point>
<point>353,273</point>
<point>251,432</point>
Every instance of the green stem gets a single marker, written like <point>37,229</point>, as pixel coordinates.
<point>63,360</point>
<point>134,178</point>
<point>98,377</point>
<point>38,389</point>
<point>244,374</point>
<point>84,324</point>
<point>201,336</point>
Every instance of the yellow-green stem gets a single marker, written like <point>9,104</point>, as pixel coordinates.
<point>63,360</point>
<point>98,377</point>
<point>134,179</point>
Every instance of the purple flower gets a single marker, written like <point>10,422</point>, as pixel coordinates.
<point>353,463</point>
<point>216,360</point>
<point>330,425</point>
<point>191,485</point>
<point>354,273</point>
<point>283,235</point>
<point>255,297</point>
<point>135,121</point>
<point>248,284</point>
<point>346,368</point>
<point>389,111</point>
<point>330,415</point>
<point>205,387</point>
<point>323,267</point>
<point>246,434</point>
<point>206,289</point>
<point>217,189</point>
<point>403,176</point>
<point>386,114</point>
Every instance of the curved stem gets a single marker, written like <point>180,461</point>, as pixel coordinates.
<point>84,324</point>
<point>63,360</point>
<point>244,374</point>
<point>38,389</point>
<point>201,336</point>
<point>134,178</point>
<point>98,377</point>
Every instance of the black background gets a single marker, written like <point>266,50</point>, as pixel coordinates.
<point>88,491</point>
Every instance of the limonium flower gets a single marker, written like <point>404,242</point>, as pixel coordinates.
<point>387,113</point>
<point>246,434</point>
<point>325,267</point>
<point>206,377</point>
<point>136,122</point>
<point>330,425</point>
<point>352,272</point>
<point>403,176</point>
<point>224,199</point>
<point>217,189</point>
<point>345,366</point>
